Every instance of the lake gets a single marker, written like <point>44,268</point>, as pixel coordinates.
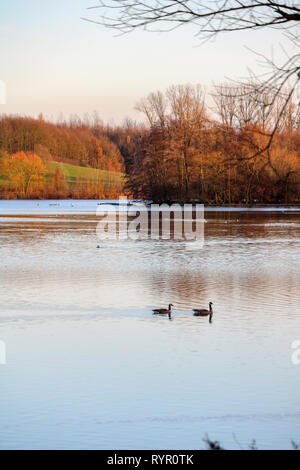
<point>89,367</point>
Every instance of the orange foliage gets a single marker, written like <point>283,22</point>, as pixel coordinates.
<point>25,172</point>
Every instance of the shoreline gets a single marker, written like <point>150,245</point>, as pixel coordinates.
<point>82,206</point>
<point>53,201</point>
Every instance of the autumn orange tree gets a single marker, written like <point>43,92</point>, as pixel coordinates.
<point>25,173</point>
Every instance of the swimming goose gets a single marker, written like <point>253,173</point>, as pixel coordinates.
<point>204,313</point>
<point>164,311</point>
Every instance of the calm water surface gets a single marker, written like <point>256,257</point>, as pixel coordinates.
<point>89,367</point>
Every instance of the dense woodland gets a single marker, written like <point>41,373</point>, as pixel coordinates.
<point>27,145</point>
<point>238,149</point>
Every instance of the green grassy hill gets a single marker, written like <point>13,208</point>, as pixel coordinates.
<point>74,173</point>
<point>81,183</point>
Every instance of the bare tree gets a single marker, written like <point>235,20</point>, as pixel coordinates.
<point>211,17</point>
<point>154,108</point>
<point>224,98</point>
<point>250,103</point>
<point>175,120</point>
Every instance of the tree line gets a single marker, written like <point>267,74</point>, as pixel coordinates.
<point>189,152</point>
<point>214,149</point>
<point>73,141</point>
<point>27,145</point>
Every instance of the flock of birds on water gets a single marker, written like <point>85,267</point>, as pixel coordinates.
<point>197,312</point>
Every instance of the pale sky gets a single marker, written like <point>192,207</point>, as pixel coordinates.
<point>53,62</point>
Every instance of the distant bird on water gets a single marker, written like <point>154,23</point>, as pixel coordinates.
<point>204,313</point>
<point>164,311</point>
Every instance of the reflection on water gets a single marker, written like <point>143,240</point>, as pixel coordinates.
<point>88,366</point>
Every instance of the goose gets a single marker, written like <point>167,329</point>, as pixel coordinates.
<point>204,313</point>
<point>164,311</point>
